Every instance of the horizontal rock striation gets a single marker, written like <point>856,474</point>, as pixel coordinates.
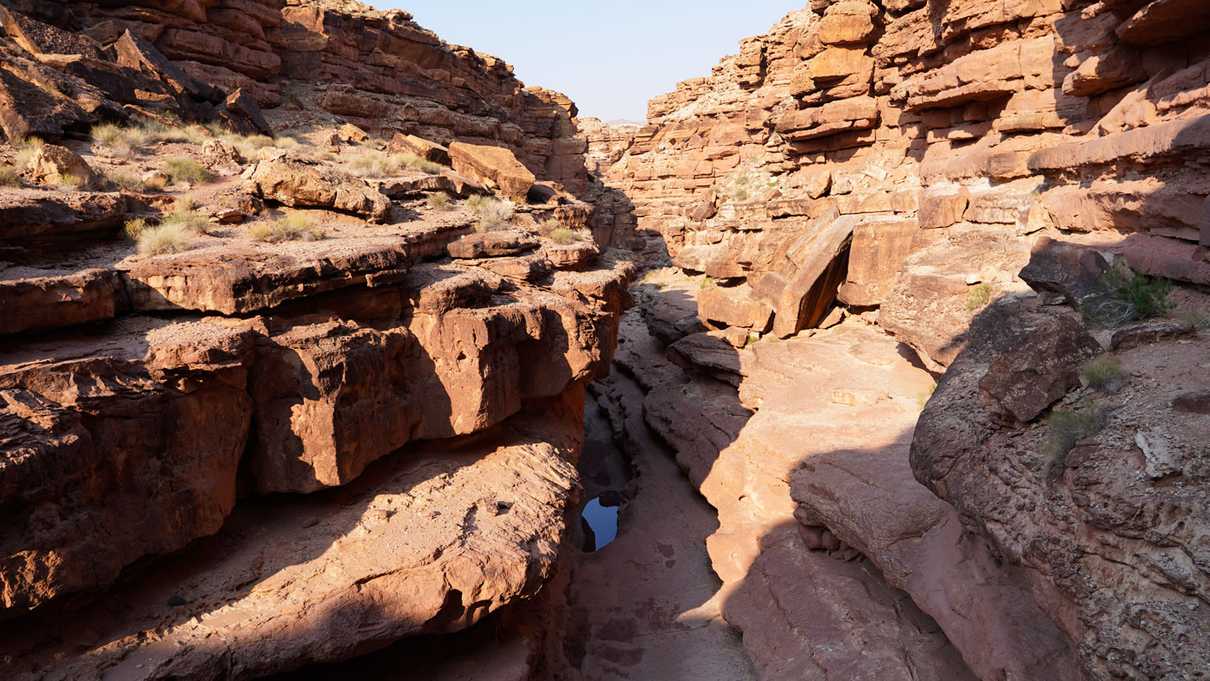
<point>946,132</point>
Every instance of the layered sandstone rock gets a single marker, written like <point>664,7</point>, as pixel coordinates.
<point>943,145</point>
<point>191,361</point>
<point>986,122</point>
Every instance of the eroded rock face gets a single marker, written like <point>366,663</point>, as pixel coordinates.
<point>953,116</point>
<point>103,435</point>
<point>1101,511</point>
<point>433,541</point>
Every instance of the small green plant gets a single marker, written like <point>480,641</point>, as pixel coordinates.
<point>134,228</point>
<point>492,213</point>
<point>1131,297</point>
<point>9,177</point>
<point>978,296</point>
<point>1065,429</point>
<point>292,227</point>
<point>1101,372</point>
<point>165,239</point>
<point>181,169</point>
<point>564,236</point>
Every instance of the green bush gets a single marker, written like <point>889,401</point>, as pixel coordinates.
<point>1131,297</point>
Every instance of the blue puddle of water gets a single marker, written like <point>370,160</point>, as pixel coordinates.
<point>603,520</point>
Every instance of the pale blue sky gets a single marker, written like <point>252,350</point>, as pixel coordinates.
<point>610,57</point>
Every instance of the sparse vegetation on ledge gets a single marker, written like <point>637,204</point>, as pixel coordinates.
<point>292,227</point>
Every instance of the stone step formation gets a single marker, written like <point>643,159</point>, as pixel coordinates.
<point>905,305</point>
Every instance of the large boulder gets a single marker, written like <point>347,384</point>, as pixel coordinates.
<point>301,185</point>
<point>493,166</point>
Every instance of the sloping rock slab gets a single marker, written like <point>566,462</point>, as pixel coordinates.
<point>241,279</point>
<point>30,213</point>
<point>870,501</point>
<point>430,540</point>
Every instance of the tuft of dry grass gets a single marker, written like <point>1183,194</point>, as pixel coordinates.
<point>371,162</point>
<point>292,227</point>
<point>134,228</point>
<point>491,213</point>
<point>1101,372</point>
<point>1065,429</point>
<point>439,201</point>
<point>165,239</point>
<point>181,169</point>
<point>9,177</point>
<point>71,182</point>
<point>125,181</point>
<point>565,237</point>
<point>186,215</point>
<point>977,297</point>
<point>26,149</point>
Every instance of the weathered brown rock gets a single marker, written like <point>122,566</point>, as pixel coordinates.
<point>169,397</point>
<point>433,541</point>
<point>1081,518</point>
<point>296,184</point>
<point>1023,382</point>
<point>33,301</point>
<point>875,259</point>
<point>53,165</point>
<point>429,151</point>
<point>492,244</point>
<point>734,306</point>
<point>32,213</point>
<point>492,166</point>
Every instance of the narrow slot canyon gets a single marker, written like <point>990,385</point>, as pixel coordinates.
<point>332,350</point>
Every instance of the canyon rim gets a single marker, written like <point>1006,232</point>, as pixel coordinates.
<point>330,350</point>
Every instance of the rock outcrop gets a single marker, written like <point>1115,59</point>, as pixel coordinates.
<point>912,164</point>
<point>270,402</point>
<point>944,133</point>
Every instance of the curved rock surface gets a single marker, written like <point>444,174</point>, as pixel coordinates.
<point>431,541</point>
